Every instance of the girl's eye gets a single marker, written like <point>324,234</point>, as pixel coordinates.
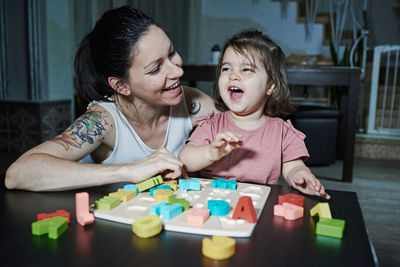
<point>155,70</point>
<point>224,69</point>
<point>247,70</point>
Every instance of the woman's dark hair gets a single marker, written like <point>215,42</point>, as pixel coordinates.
<point>258,46</point>
<point>106,51</point>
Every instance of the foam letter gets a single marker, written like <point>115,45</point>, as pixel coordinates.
<point>245,210</point>
<point>83,216</point>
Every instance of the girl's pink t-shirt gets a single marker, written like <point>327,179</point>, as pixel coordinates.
<point>264,149</point>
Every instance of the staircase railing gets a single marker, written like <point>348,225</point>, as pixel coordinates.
<point>384,105</point>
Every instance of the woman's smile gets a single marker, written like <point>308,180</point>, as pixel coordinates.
<point>173,87</point>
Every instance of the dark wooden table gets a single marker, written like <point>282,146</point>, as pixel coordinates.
<point>343,78</point>
<point>275,241</point>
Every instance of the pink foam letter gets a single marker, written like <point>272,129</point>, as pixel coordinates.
<point>83,216</point>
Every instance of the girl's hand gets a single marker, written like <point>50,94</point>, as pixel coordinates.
<point>224,144</point>
<point>306,182</point>
<point>300,177</point>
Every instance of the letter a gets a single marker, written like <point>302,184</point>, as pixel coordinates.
<point>245,210</point>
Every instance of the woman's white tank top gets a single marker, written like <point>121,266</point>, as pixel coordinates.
<point>129,147</point>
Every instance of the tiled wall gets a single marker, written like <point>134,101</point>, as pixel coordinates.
<point>24,124</point>
<point>373,148</point>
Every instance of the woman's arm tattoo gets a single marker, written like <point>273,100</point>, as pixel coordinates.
<point>195,108</point>
<point>82,130</point>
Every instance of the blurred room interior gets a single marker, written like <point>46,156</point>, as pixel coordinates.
<point>38,39</point>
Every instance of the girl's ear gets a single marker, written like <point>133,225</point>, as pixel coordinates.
<point>120,86</point>
<point>271,89</point>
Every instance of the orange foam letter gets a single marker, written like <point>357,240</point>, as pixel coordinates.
<point>245,209</point>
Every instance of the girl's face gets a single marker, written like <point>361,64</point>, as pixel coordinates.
<point>243,84</point>
<point>156,70</point>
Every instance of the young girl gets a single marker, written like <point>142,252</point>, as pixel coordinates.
<point>249,141</point>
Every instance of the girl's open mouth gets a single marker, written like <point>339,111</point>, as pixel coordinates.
<point>235,92</point>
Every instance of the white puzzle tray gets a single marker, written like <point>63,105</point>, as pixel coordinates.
<point>139,207</point>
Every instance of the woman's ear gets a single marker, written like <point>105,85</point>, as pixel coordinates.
<point>271,89</point>
<point>120,86</point>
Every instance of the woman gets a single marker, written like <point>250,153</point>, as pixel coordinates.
<point>138,118</point>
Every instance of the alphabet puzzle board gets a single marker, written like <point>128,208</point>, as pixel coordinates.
<point>138,207</point>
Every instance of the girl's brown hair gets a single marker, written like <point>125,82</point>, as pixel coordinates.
<point>258,46</point>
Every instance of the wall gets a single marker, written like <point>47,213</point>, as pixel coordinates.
<point>384,23</point>
<point>17,51</point>
<point>214,22</point>
<point>221,19</point>
<point>61,49</point>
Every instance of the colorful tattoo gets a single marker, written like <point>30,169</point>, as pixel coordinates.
<point>82,130</point>
<point>195,108</point>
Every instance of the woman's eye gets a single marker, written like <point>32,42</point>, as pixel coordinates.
<point>155,70</point>
<point>172,53</point>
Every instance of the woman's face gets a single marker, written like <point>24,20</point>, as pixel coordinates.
<point>156,70</point>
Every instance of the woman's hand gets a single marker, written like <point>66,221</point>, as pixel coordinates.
<point>224,144</point>
<point>160,162</point>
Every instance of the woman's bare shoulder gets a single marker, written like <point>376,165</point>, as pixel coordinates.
<point>199,103</point>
